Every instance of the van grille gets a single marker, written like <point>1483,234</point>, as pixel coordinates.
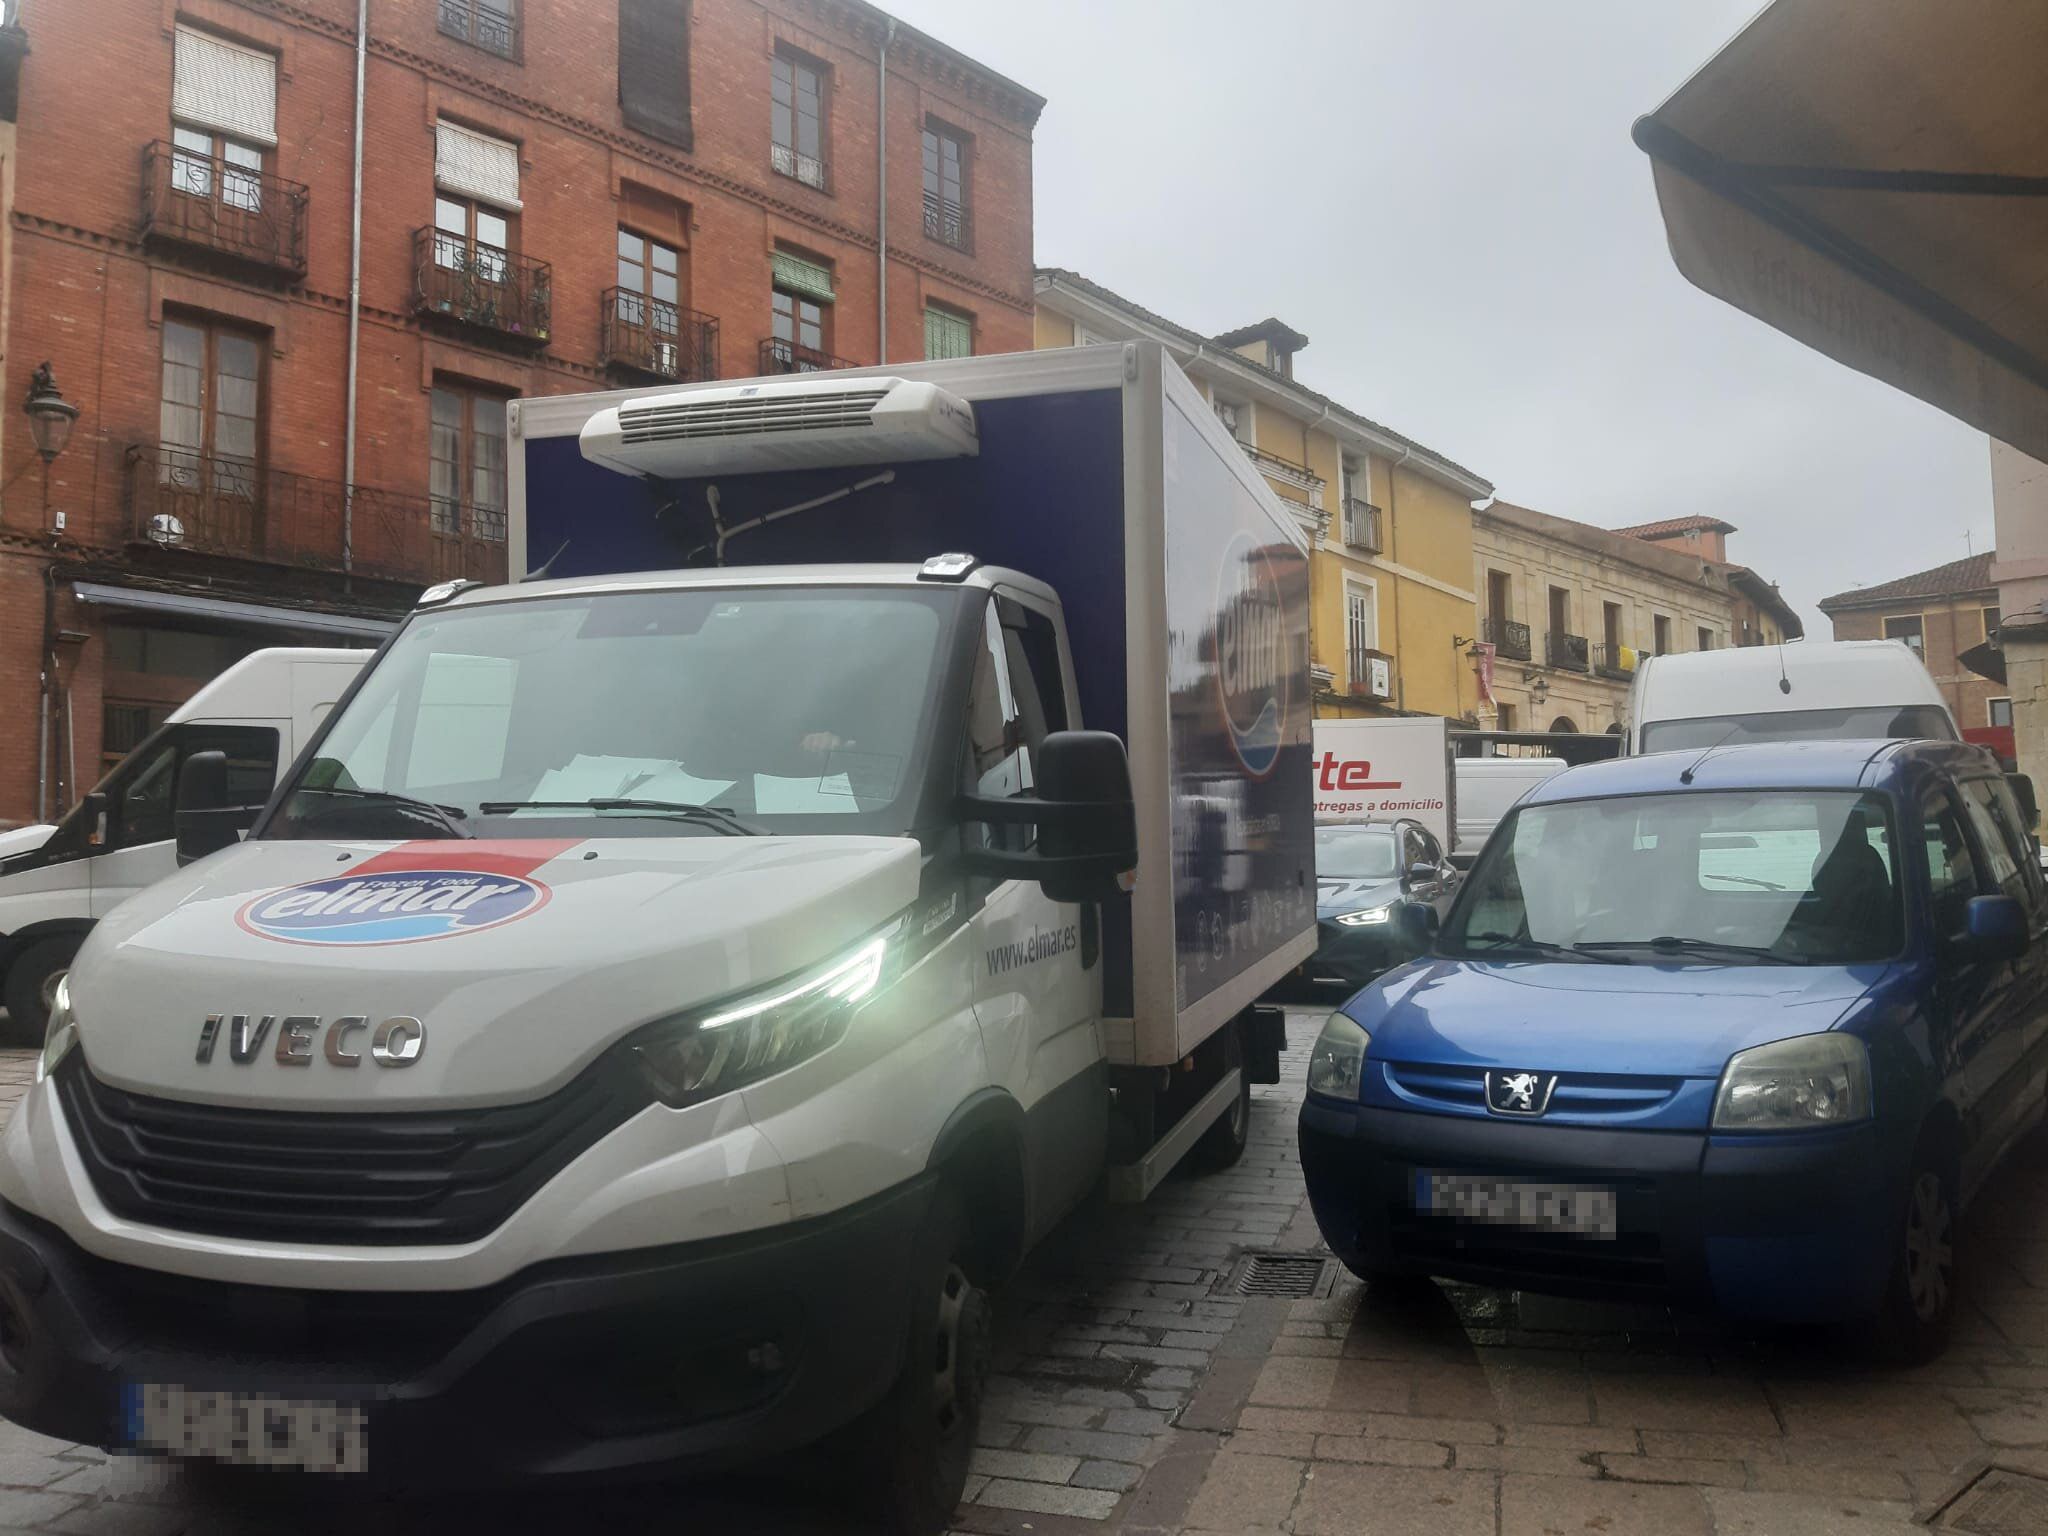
<point>448,1176</point>
<point>1578,1094</point>
<point>750,417</point>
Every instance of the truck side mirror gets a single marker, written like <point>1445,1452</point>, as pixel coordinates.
<point>1087,828</point>
<point>205,822</point>
<point>2023,791</point>
<point>1421,873</point>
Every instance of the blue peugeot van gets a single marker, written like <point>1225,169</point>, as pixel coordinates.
<point>1742,1028</point>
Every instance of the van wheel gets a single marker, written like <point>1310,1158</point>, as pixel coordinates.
<point>914,1446</point>
<point>32,987</point>
<point>1224,1142</point>
<point>1918,1311</point>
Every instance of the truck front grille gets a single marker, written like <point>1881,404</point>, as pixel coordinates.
<point>430,1177</point>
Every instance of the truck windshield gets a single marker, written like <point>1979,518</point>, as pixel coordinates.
<point>1893,722</point>
<point>789,709</point>
<point>1763,877</point>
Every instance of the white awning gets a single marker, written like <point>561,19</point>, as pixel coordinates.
<point>476,165</point>
<point>1872,180</point>
<point>224,86</point>
<point>227,610</point>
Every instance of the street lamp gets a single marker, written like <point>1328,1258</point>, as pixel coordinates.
<point>50,419</point>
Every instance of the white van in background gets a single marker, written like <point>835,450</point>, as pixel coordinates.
<point>1810,691</point>
<point>1487,788</point>
<point>56,882</point>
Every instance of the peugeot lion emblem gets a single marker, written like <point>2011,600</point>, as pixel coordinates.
<point>1519,1093</point>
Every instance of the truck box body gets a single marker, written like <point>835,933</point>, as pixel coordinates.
<point>1383,769</point>
<point>1102,472</point>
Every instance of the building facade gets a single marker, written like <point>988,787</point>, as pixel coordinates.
<point>1389,521</point>
<point>1569,609</point>
<point>1939,615</point>
<point>2019,506</point>
<point>284,430</point>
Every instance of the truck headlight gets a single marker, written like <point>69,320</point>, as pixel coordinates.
<point>728,1045</point>
<point>1337,1064</point>
<point>1795,1085</point>
<point>61,1033</point>
<point>1368,917</point>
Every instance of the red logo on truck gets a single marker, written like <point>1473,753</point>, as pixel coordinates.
<point>1333,773</point>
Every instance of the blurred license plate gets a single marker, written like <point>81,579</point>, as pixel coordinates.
<point>1580,1210</point>
<point>247,1429</point>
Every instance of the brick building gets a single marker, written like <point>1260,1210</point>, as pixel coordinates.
<point>555,197</point>
<point>1938,614</point>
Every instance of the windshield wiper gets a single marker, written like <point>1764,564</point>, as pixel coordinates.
<point>1492,941</point>
<point>1670,944</point>
<point>1762,885</point>
<point>448,816</point>
<point>728,821</point>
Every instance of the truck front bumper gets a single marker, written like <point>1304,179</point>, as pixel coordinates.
<point>1793,1228</point>
<point>706,1353</point>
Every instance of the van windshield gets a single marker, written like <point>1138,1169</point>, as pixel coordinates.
<point>1889,722</point>
<point>789,709</point>
<point>1770,877</point>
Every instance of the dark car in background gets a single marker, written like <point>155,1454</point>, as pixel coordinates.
<point>1372,879</point>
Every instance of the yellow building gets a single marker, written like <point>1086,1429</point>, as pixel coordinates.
<point>1393,610</point>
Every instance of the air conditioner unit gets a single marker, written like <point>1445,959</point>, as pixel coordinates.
<point>1378,681</point>
<point>667,358</point>
<point>803,422</point>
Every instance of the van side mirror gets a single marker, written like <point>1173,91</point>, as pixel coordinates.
<point>205,822</point>
<point>1418,923</point>
<point>1087,828</point>
<point>1995,928</point>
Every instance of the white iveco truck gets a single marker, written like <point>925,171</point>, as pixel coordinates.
<point>668,995</point>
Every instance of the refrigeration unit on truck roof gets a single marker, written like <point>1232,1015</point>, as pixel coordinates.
<point>778,424</point>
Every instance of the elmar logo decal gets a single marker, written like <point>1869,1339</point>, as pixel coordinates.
<point>401,907</point>
<point>1251,661</point>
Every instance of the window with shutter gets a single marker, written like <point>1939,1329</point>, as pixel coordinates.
<point>654,68</point>
<point>476,165</point>
<point>947,334</point>
<point>224,86</point>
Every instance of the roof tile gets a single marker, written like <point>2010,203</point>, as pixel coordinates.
<point>1959,578</point>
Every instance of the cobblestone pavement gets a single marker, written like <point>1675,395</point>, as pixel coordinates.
<point>1132,1397</point>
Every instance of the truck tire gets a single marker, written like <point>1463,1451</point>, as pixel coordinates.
<point>30,982</point>
<point>1224,1142</point>
<point>1918,1311</point>
<point>913,1447</point>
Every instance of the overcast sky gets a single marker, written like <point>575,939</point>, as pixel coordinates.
<point>1443,194</point>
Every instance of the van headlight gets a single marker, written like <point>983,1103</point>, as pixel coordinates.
<point>61,1033</point>
<point>727,1045</point>
<point>1337,1064</point>
<point>1799,1084</point>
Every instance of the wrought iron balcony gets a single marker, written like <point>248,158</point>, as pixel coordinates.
<point>779,356</point>
<point>1508,637</point>
<point>241,216</point>
<point>1362,525</point>
<point>1565,651</point>
<point>808,169</point>
<point>662,341</point>
<point>493,27</point>
<point>206,505</point>
<point>495,293</point>
<point>1611,660</point>
<point>948,222</point>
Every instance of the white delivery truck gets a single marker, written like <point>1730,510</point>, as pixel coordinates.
<point>56,882</point>
<point>670,994</point>
<point>1387,769</point>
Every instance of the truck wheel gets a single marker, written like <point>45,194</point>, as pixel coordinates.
<point>914,1446</point>
<point>1224,1142</point>
<point>32,986</point>
<point>1918,1311</point>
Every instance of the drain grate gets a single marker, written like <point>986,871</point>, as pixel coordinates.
<point>1999,1501</point>
<point>1266,1272</point>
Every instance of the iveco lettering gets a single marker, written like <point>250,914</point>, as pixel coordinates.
<point>682,988</point>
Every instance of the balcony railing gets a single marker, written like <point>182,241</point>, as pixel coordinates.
<point>493,27</point>
<point>660,340</point>
<point>1566,651</point>
<point>779,356</point>
<point>1285,470</point>
<point>1612,660</point>
<point>948,223</point>
<point>1370,673</point>
<point>248,218</point>
<point>1508,637</point>
<point>1362,525</point>
<point>808,169</point>
<point>229,507</point>
<point>493,292</point>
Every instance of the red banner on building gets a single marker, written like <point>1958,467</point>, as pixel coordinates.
<point>1482,668</point>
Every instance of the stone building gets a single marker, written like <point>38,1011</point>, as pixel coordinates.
<point>1938,614</point>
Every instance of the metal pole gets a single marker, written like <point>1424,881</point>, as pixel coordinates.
<point>882,177</point>
<point>355,302</point>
